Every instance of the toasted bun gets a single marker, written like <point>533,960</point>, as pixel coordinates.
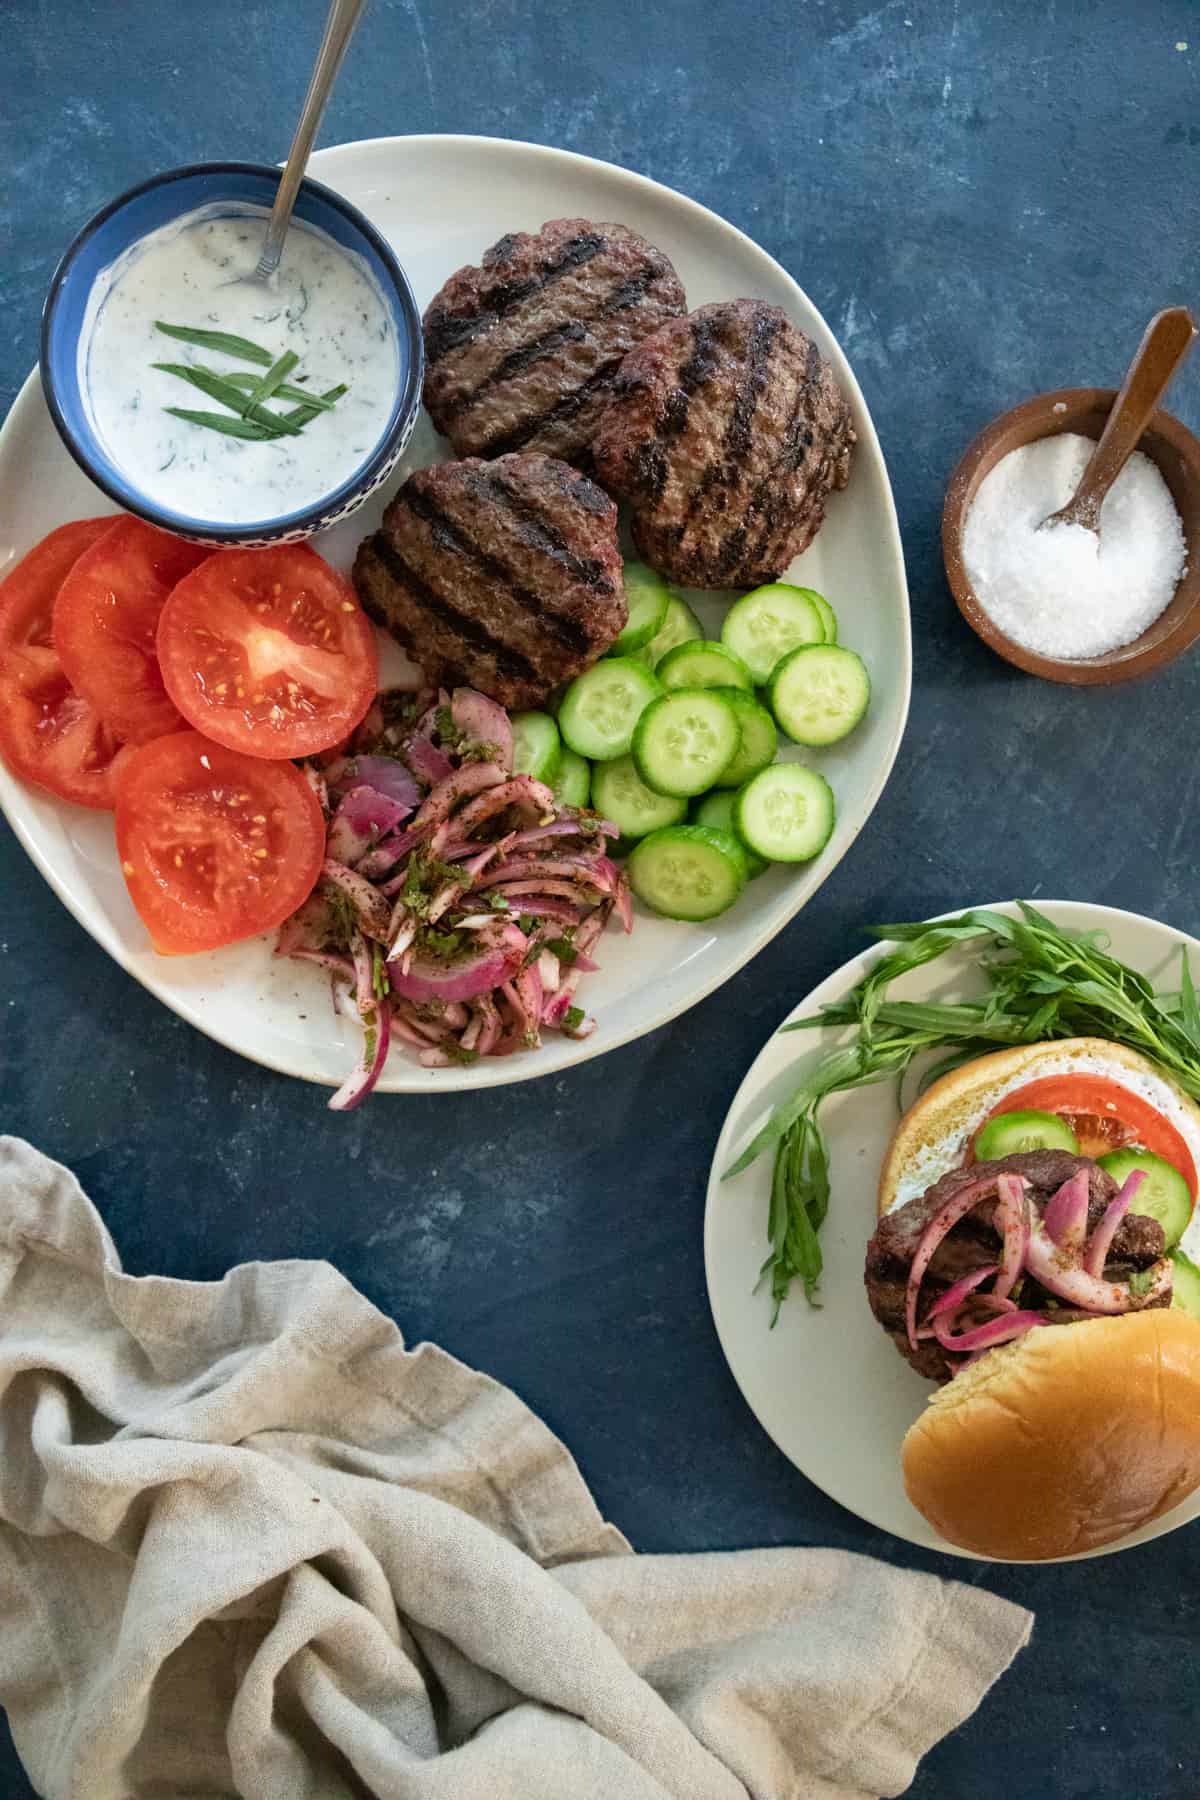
<point>946,1117</point>
<point>1070,1437</point>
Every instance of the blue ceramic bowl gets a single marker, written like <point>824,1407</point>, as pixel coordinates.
<point>158,202</point>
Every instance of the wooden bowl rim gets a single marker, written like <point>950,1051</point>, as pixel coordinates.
<point>1129,661</point>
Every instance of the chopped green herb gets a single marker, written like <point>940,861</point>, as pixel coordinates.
<point>564,947</point>
<point>379,978</point>
<point>1044,981</point>
<point>456,1053</point>
<point>1141,1281</point>
<point>573,1018</point>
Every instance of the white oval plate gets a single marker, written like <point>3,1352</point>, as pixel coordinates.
<point>441,201</point>
<point>826,1383</point>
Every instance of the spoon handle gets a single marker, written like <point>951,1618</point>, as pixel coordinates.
<point>1164,344</point>
<point>339,28</point>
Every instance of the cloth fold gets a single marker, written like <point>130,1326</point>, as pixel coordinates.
<point>252,1545</point>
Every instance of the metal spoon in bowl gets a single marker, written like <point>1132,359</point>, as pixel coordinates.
<point>339,28</point>
<point>1165,342</point>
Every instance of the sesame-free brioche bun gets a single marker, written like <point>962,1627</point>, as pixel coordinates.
<point>1070,1437</point>
<point>950,1112</point>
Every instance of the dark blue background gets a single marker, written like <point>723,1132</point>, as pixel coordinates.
<point>984,201</point>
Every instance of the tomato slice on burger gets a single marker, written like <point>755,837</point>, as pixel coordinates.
<point>1104,1116</point>
<point>214,846</point>
<point>49,734</point>
<point>106,621</point>
<point>268,651</point>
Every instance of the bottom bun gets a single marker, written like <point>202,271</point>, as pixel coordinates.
<point>1069,1438</point>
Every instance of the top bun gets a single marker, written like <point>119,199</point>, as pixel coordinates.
<point>1069,1438</point>
<point>946,1117</point>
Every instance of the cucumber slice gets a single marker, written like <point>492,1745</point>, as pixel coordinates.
<point>763,626</point>
<point>760,740</point>
<point>1164,1194</point>
<point>1015,1131</point>
<point>537,747</point>
<point>681,626</point>
<point>572,786</point>
<point>716,809</point>
<point>828,616</point>
<point>688,871</point>
<point>685,741</point>
<point>703,665</point>
<point>819,693</point>
<point>647,596</point>
<point>786,813</point>
<point>620,794</point>
<point>1186,1287</point>
<point>601,707</point>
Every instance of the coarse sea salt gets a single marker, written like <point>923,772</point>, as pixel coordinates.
<point>1066,592</point>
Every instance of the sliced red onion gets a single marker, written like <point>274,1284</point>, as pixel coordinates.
<point>584,1028</point>
<point>1001,1330</point>
<point>955,1295</point>
<point>522,792</point>
<point>376,1023</point>
<point>456,1015</point>
<point>484,724</point>
<point>383,773</point>
<point>440,802</point>
<point>339,966</point>
<point>528,987</point>
<point>590,832</point>
<point>557,868</point>
<point>363,817</point>
<point>560,910</point>
<point>1011,1219</point>
<point>624,903</point>
<point>1100,1243</point>
<point>444,899</point>
<point>589,932</point>
<point>1048,1263</point>
<point>371,909</point>
<point>522,890</point>
<point>318,784</point>
<point>943,1221</point>
<point>550,970</point>
<point>1066,1215</point>
<point>429,764</point>
<point>480,970</point>
<point>306,929</point>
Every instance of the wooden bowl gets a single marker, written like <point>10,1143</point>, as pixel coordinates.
<point>1085,410</point>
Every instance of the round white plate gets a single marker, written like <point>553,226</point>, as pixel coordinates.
<point>826,1383</point>
<point>441,201</point>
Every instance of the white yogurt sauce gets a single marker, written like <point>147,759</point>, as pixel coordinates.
<point>323,303</point>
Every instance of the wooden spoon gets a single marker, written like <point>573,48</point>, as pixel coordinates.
<point>1165,342</point>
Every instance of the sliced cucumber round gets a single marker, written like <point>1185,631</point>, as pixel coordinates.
<point>1185,1291</point>
<point>1163,1193</point>
<point>680,626</point>
<point>537,747</point>
<point>688,871</point>
<point>601,707</point>
<point>684,742</point>
<point>763,626</point>
<point>647,596</point>
<point>786,813</point>
<point>760,740</point>
<point>1012,1132</point>
<point>716,809</point>
<point>572,785</point>
<point>819,693</point>
<point>828,616</point>
<point>620,794</point>
<point>703,664</point>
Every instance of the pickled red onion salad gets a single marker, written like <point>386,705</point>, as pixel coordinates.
<point>459,903</point>
<point>1053,1248</point>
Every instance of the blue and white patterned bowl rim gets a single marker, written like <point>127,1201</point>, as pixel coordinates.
<point>144,208</point>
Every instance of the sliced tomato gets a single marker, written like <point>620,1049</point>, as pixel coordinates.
<point>1104,1116</point>
<point>268,651</point>
<point>49,734</point>
<point>106,624</point>
<point>214,846</point>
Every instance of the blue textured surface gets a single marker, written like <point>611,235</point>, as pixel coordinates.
<point>985,202</point>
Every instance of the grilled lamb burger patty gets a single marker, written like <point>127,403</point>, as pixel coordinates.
<point>974,1243</point>
<point>725,432</point>
<point>505,576</point>
<point>521,351</point>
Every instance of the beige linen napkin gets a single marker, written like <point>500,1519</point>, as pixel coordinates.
<point>251,1545</point>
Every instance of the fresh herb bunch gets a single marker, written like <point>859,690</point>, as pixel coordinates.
<point>243,393</point>
<point>1044,981</point>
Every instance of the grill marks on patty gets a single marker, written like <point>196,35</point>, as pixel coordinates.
<point>725,432</point>
<point>522,351</point>
<point>505,575</point>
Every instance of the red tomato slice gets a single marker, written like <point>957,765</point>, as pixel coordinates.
<point>268,651</point>
<point>1104,1116</point>
<point>49,734</point>
<point>106,619</point>
<point>214,846</point>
